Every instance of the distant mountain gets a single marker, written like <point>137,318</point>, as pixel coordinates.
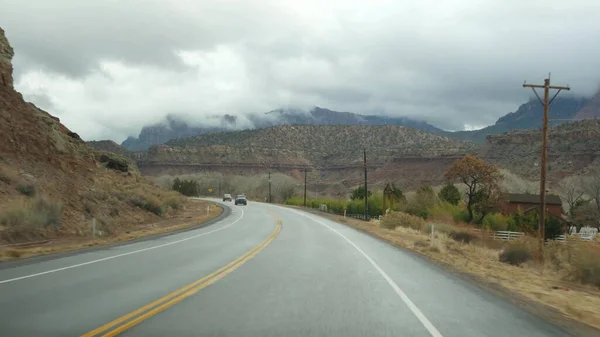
<point>175,127</point>
<point>530,115</point>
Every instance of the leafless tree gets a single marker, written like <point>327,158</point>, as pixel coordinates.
<point>286,192</point>
<point>592,187</point>
<point>572,190</point>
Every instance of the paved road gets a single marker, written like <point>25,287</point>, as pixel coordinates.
<point>294,274</point>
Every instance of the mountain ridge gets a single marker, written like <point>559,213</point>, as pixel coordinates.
<point>527,116</point>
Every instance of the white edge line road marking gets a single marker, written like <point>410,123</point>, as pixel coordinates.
<point>119,255</point>
<point>415,310</point>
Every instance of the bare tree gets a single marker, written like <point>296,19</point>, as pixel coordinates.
<point>286,192</point>
<point>572,190</point>
<point>592,187</point>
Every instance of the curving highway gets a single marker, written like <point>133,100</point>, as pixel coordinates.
<point>263,270</point>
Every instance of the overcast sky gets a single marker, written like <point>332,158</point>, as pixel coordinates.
<point>106,68</point>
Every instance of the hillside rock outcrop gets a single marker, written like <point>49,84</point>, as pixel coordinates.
<point>6,55</point>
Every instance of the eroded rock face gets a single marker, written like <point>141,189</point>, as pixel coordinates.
<point>6,55</point>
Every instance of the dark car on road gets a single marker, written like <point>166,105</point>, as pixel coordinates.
<point>227,197</point>
<point>241,200</point>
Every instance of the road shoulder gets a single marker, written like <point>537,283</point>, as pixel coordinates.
<point>539,309</point>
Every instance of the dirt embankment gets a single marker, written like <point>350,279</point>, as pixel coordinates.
<point>196,214</point>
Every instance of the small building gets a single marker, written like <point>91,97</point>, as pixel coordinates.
<point>510,203</point>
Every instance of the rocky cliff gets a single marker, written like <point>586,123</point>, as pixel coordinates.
<point>6,55</point>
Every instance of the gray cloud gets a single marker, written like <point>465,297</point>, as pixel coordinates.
<point>107,68</point>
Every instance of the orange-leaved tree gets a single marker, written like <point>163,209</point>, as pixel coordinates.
<point>482,181</point>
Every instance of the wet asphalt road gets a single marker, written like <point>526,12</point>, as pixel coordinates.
<point>315,278</point>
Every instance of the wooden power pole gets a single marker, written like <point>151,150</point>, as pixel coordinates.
<point>305,187</point>
<point>366,190</point>
<point>546,104</point>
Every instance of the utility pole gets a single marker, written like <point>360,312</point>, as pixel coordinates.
<point>546,104</point>
<point>305,187</point>
<point>269,187</point>
<point>366,189</point>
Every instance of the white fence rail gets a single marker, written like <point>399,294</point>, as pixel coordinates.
<point>507,235</point>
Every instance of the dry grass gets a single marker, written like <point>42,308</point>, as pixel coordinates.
<point>558,282</point>
<point>193,215</point>
<point>37,213</point>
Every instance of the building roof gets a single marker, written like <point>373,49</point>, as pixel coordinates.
<point>551,199</point>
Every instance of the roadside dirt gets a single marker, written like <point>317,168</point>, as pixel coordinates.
<point>574,308</point>
<point>196,213</point>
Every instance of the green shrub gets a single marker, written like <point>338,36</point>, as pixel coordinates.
<point>553,227</point>
<point>189,188</point>
<point>527,223</point>
<point>445,211</point>
<point>496,222</point>
<point>295,201</point>
<point>515,254</point>
<point>154,207</point>
<point>26,189</point>
<point>376,205</point>
<point>359,193</point>
<point>450,194</point>
<point>461,216</point>
<point>424,199</point>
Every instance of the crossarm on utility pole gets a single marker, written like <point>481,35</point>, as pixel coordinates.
<point>558,92</point>
<point>525,85</point>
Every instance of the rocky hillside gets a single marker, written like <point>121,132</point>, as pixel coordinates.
<point>109,146</point>
<point>176,127</point>
<point>308,144</point>
<point>572,149</point>
<point>52,183</point>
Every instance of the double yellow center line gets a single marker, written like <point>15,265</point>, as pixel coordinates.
<point>135,317</point>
